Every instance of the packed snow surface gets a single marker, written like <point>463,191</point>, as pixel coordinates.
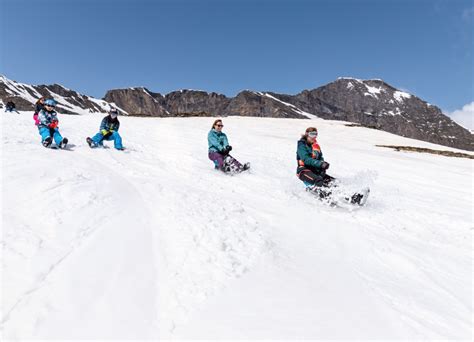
<point>153,242</point>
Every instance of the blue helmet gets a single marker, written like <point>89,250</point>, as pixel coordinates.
<point>50,102</point>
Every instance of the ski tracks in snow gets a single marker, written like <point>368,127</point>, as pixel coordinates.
<point>79,210</point>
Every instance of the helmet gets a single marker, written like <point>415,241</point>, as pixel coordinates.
<point>113,112</point>
<point>50,102</point>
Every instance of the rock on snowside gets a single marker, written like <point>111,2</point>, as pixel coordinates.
<point>138,101</point>
<point>69,101</point>
<point>251,103</point>
<point>200,103</point>
<point>196,103</point>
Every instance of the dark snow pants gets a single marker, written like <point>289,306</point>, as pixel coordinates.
<point>309,177</point>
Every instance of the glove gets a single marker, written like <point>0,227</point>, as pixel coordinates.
<point>324,165</point>
<point>53,124</point>
<point>226,150</point>
<point>104,132</point>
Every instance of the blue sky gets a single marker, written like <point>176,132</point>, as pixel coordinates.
<point>423,46</point>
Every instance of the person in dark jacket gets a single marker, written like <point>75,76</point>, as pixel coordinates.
<point>311,165</point>
<point>219,150</point>
<point>10,107</point>
<point>108,131</point>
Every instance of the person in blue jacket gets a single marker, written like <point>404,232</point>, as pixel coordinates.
<point>48,125</point>
<point>311,164</point>
<point>108,131</point>
<point>219,150</point>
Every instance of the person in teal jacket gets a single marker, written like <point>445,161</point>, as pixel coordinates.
<point>311,165</point>
<point>219,149</point>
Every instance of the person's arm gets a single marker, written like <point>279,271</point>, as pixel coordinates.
<point>104,129</point>
<point>212,140</point>
<point>226,142</point>
<point>307,157</point>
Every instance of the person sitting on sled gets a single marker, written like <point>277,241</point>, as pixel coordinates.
<point>311,165</point>
<point>312,171</point>
<point>108,131</point>
<point>219,149</point>
<point>48,125</point>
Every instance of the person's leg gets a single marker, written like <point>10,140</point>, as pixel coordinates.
<point>97,139</point>
<point>217,159</point>
<point>115,136</point>
<point>57,136</point>
<point>311,178</point>
<point>45,133</point>
<point>314,182</point>
<point>328,180</point>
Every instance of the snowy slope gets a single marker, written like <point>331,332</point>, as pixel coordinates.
<point>153,243</point>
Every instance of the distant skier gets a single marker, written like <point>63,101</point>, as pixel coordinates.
<point>48,125</point>
<point>39,105</point>
<point>10,107</point>
<point>312,170</point>
<point>219,149</point>
<point>108,131</point>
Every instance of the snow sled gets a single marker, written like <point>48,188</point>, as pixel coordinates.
<point>335,196</point>
<point>232,166</point>
<point>48,143</point>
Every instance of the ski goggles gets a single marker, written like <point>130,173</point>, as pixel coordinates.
<point>313,134</point>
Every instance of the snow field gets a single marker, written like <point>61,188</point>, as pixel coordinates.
<point>154,243</point>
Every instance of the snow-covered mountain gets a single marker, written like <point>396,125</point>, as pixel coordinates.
<point>154,243</point>
<point>374,103</point>
<point>371,103</point>
<point>69,101</point>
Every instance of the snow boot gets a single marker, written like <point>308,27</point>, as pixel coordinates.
<point>47,142</point>
<point>90,142</point>
<point>356,198</point>
<point>63,143</point>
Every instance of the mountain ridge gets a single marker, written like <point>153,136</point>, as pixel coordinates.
<point>373,103</point>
